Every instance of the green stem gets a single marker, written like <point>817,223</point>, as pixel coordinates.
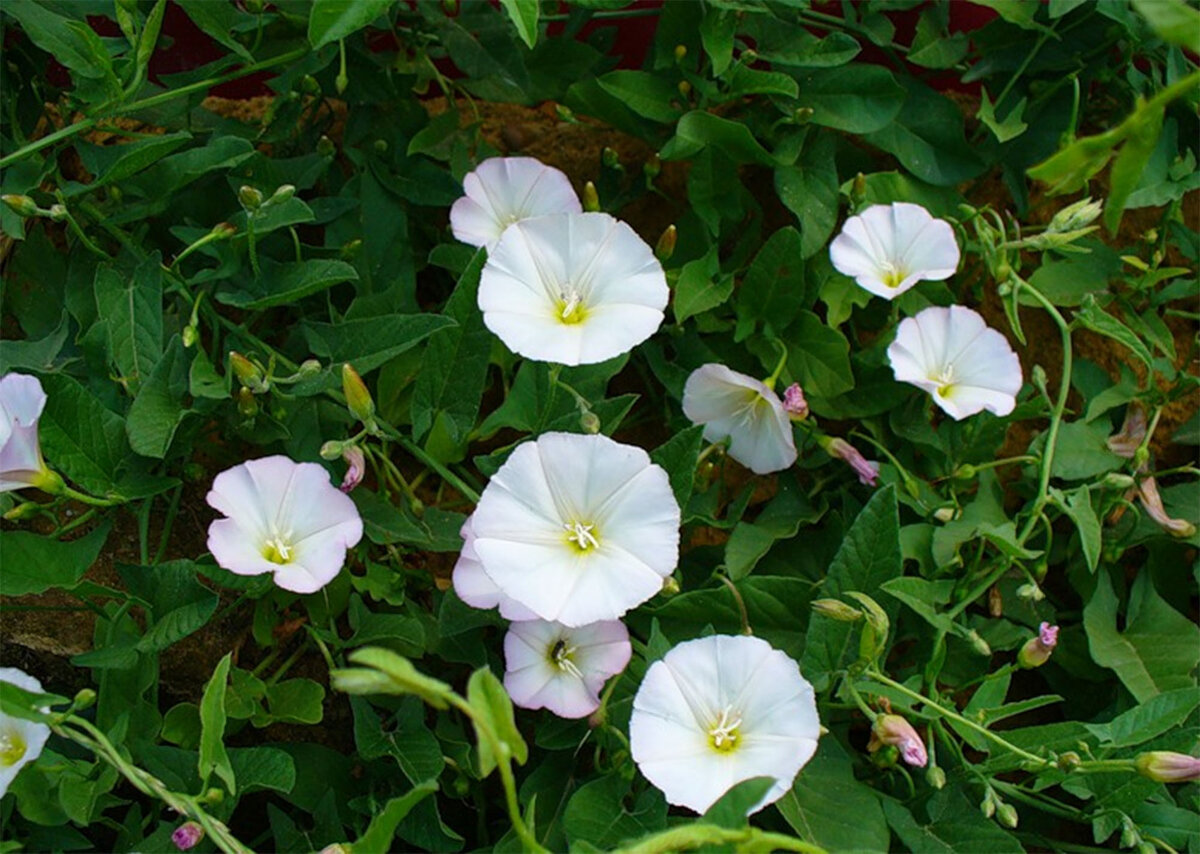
<point>741,605</point>
<point>697,834</point>
<point>84,498</point>
<point>859,701</point>
<point>418,452</point>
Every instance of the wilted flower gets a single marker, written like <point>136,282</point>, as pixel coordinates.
<point>794,403</point>
<point>285,518</point>
<point>896,731</point>
<point>572,288</point>
<point>719,710</point>
<point>504,190</point>
<point>356,467</point>
<point>577,528</point>
<point>952,354</point>
<point>1036,650</point>
<point>1166,766</point>
<point>867,470</point>
<point>21,741</point>
<point>21,402</point>
<point>1152,503</point>
<point>474,587</point>
<point>551,666</point>
<point>744,410</point>
<point>889,248</point>
<point>187,836</point>
<point>1133,431</point>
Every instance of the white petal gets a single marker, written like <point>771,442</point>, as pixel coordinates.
<point>735,406</point>
<point>503,190</point>
<point>236,549</point>
<point>21,402</point>
<point>889,241</point>
<point>31,733</point>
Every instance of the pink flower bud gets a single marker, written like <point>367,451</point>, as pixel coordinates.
<point>1153,505</point>
<point>867,470</point>
<point>896,731</point>
<point>187,836</point>
<point>353,456</point>
<point>794,403</point>
<point>1036,651</point>
<point>1168,767</point>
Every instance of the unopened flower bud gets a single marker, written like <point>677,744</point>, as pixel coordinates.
<point>1038,377</point>
<point>1069,761</point>
<point>591,198</point>
<point>308,368</point>
<point>380,146</point>
<point>213,796</point>
<point>965,472</point>
<point>684,87</point>
<point>20,205</point>
<point>802,115</point>
<point>898,732</point>
<point>358,399</point>
<point>867,470</point>
<point>1030,592</point>
<point>1166,766</point>
<point>670,586</point>
<point>885,756</point>
<point>1075,216</point>
<point>680,52</point>
<point>187,836</point>
<point>341,81</point>
<point>610,158</point>
<point>332,449</point>
<point>223,231</point>
<point>652,167</point>
<point>1116,480</point>
<point>282,194</point>
<point>1006,814</point>
<point>357,467</point>
<point>249,374</point>
<point>947,513</point>
<point>58,213</point>
<point>665,247</point>
<point>24,510</point>
<point>988,805</point>
<point>1126,442</point>
<point>1129,835</point>
<point>858,190</point>
<point>836,609</point>
<point>589,422</point>
<point>325,146</point>
<point>935,777</point>
<point>246,403</point>
<point>978,643</point>
<point>250,198</point>
<point>189,335</point>
<point>794,403</point>
<point>1036,650</point>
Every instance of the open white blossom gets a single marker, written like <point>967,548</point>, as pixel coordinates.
<point>889,248</point>
<point>572,288</point>
<point>744,410</point>
<point>285,518</point>
<point>21,402</point>
<point>474,587</point>
<point>953,354</point>
<point>21,741</point>
<point>577,528</point>
<point>551,666</point>
<point>504,190</point>
<point>716,711</point>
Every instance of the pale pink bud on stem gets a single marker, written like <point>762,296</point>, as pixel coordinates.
<point>1153,505</point>
<point>187,836</point>
<point>1166,766</point>
<point>896,731</point>
<point>357,463</point>
<point>794,403</point>
<point>867,470</point>
<point>1036,651</point>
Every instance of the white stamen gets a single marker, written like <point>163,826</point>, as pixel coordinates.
<point>725,730</point>
<point>572,301</point>
<point>581,535</point>
<point>562,658</point>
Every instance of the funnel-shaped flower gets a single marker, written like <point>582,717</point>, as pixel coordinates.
<point>719,710</point>
<point>577,528</point>
<point>284,517</point>
<point>952,354</point>
<point>21,403</point>
<point>744,410</point>
<point>551,666</point>
<point>572,288</point>
<point>889,248</point>
<point>504,190</point>
<point>21,741</point>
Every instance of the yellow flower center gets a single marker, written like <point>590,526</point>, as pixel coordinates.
<point>277,549</point>
<point>945,380</point>
<point>580,536</point>
<point>12,748</point>
<point>723,736</point>
<point>560,656</point>
<point>892,275</point>
<point>570,308</point>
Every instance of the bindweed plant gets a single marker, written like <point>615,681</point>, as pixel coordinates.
<point>591,425</point>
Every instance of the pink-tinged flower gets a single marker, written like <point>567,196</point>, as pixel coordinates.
<point>473,586</point>
<point>551,666</point>
<point>21,740</point>
<point>867,470</point>
<point>952,354</point>
<point>718,710</point>
<point>1132,434</point>
<point>21,402</point>
<point>794,403</point>
<point>889,248</point>
<point>187,836</point>
<point>356,468</point>
<point>284,518</point>
<point>744,410</point>
<point>1036,650</point>
<point>1166,766</point>
<point>1152,503</point>
<point>577,528</point>
<point>898,732</point>
<point>572,288</point>
<point>504,190</point>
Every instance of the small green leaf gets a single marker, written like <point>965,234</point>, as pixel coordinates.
<point>1010,127</point>
<point>854,98</point>
<point>282,284</point>
<point>699,129</point>
<point>732,808</point>
<point>80,436</point>
<point>647,94</point>
<point>1077,504</point>
<point>1148,720</point>
<point>678,457</point>
<point>158,407</point>
<point>716,34</point>
<point>369,342</point>
<point>809,188</point>
<point>220,21</point>
<point>524,15</point>
<point>331,20</point>
<point>381,832</point>
<point>130,307</point>
<point>773,291</point>
<point>385,672</point>
<point>819,358</point>
<point>71,42</point>
<point>700,287</point>
<point>213,757</point>
<point>493,711</point>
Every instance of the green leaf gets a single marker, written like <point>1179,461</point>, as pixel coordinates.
<point>1077,504</point>
<point>819,358</point>
<point>34,563</point>
<point>493,710</point>
<point>810,190</point>
<point>1175,21</point>
<point>331,20</point>
<point>780,519</point>
<point>158,407</point>
<point>700,287</point>
<point>281,284</point>
<point>1067,282</point>
<point>732,808</point>
<point>1016,12</point>
<point>773,291</point>
<point>381,832</point>
<point>1010,127</point>
<point>369,342</point>
<point>219,21</point>
<point>34,355</point>
<point>296,701</point>
<point>647,94</point>
<point>80,437</point>
<point>716,34</point>
<point>923,596</point>
<point>71,42</point>
<point>1157,650</point>
<point>263,768</point>
<point>178,604</point>
<point>868,557</point>
<point>699,129</point>
<point>213,757</point>
<point>678,456</point>
<point>1082,451</point>
<point>385,672</point>
<point>744,80</point>
<point>854,98</point>
<point>826,806</point>
<point>600,814</point>
<point>112,163</point>
<point>1149,720</point>
<point>955,826</point>
<point>1143,129</point>
<point>407,739</point>
<point>131,309</point>
<point>524,15</point>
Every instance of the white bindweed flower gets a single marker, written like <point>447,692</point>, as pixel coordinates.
<point>551,666</point>
<point>577,528</point>
<point>504,190</point>
<point>21,741</point>
<point>719,710</point>
<point>474,587</point>
<point>952,354</point>
<point>21,402</point>
<point>574,288</point>
<point>889,248</point>
<point>744,410</point>
<point>284,517</point>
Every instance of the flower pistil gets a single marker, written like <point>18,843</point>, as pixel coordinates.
<point>723,736</point>
<point>580,535</point>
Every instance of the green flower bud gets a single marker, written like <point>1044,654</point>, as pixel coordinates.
<point>325,146</point>
<point>308,368</point>
<point>1069,761</point>
<point>332,450</point>
<point>947,513</point>
<point>380,146</point>
<point>670,586</point>
<point>24,510</point>
<point>935,777</point>
<point>802,115</point>
<point>988,805</point>
<point>652,167</point>
<point>591,198</point>
<point>835,609</point>
<point>58,213</point>
<point>358,399</point>
<point>665,248</point>
<point>684,87</point>
<point>246,403</point>
<point>610,158</point>
<point>680,52</point>
<point>223,231</point>
<point>189,335</point>
<point>282,193</point>
<point>1006,814</point>
<point>589,422</point>
<point>249,374</point>
<point>84,698</point>
<point>978,644</point>
<point>1118,481</point>
<point>341,82</point>
<point>22,206</point>
<point>250,198</point>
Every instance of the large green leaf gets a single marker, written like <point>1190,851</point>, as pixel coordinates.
<point>853,98</point>
<point>600,814</point>
<point>34,563</point>
<point>71,42</point>
<point>370,341</point>
<point>158,407</point>
<point>131,309</point>
<point>179,603</point>
<point>773,291</point>
<point>524,15</point>
<point>80,436</point>
<point>819,358</point>
<point>331,20</point>
<point>281,284</point>
<point>700,286</point>
<point>828,807</point>
<point>955,826</point>
<point>647,94</point>
<point>809,188</point>
<point>380,833</point>
<point>112,163</point>
<point>219,21</point>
